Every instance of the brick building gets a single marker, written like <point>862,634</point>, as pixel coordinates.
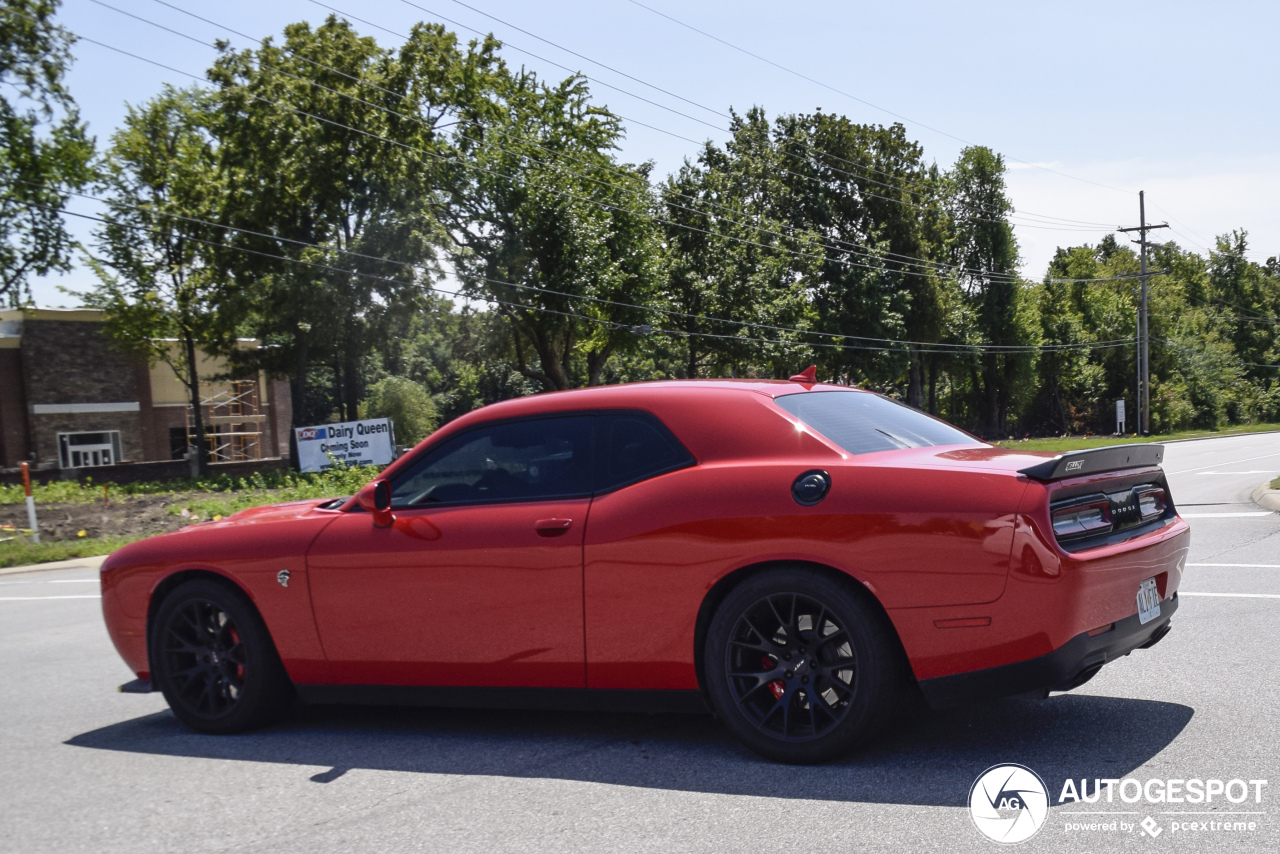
<point>69,400</point>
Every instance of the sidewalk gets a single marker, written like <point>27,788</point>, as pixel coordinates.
<point>89,563</point>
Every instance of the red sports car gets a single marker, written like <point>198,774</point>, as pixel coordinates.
<point>792,554</point>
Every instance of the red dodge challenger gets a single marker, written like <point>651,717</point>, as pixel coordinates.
<point>792,554</point>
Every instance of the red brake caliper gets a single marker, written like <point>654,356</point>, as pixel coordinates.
<point>235,638</point>
<point>777,687</point>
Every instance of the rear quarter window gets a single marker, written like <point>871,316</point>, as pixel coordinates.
<point>635,446</point>
<point>863,422</point>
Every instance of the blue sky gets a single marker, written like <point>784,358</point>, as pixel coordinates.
<point>1089,101</point>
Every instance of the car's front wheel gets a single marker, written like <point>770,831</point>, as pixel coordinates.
<point>214,660</point>
<point>800,667</point>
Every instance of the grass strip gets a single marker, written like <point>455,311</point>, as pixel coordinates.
<point>1077,443</point>
<point>21,552</point>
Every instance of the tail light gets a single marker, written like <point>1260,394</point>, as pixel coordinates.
<point>1091,519</point>
<point>1151,502</point>
<point>1082,520</point>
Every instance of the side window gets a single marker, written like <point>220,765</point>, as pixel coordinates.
<point>513,461</point>
<point>633,447</point>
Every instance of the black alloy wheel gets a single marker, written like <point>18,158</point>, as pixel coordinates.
<point>214,660</point>
<point>800,666</point>
<point>791,667</point>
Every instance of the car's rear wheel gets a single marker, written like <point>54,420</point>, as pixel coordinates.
<point>214,660</point>
<point>800,667</point>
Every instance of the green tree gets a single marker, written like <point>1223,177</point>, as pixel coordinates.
<point>868,192</point>
<point>45,151</point>
<point>1241,291</point>
<point>461,355</point>
<point>1077,385</point>
<point>984,248</point>
<point>159,279</point>
<point>407,404</point>
<point>336,149</point>
<point>734,255</point>
<point>551,229</point>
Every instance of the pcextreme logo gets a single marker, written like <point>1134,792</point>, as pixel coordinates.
<point>1008,803</point>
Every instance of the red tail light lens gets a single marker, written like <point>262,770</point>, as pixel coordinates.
<point>1152,503</point>
<point>1081,520</point>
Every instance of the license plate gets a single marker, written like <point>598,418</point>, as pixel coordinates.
<point>1148,601</point>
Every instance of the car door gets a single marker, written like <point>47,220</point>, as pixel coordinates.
<point>478,582</point>
<point>641,556</point>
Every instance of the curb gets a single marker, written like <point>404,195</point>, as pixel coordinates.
<point>93,563</point>
<point>1226,436</point>
<point>1265,496</point>
<point>1138,440</point>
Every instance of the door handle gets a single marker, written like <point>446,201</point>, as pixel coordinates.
<point>552,527</point>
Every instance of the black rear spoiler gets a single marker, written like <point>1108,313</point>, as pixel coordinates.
<point>1094,460</point>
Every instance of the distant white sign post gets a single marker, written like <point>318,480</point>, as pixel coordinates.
<point>356,443</point>
<point>1120,417</point>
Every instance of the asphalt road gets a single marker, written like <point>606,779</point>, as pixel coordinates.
<point>83,768</point>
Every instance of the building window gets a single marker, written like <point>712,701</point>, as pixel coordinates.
<point>84,450</point>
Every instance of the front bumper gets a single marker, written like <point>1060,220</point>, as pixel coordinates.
<point>1067,667</point>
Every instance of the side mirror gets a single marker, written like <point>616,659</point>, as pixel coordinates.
<point>376,498</point>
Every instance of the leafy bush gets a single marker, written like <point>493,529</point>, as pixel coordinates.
<point>407,404</point>
<point>274,486</point>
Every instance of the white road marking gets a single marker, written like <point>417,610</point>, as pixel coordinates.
<point>1219,465</point>
<point>1232,595</point>
<point>1258,471</point>
<point>1249,513</point>
<point>40,598</point>
<point>1241,565</point>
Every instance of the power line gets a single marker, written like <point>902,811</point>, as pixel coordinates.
<point>528,53</point>
<point>940,347</point>
<point>646,100</point>
<point>713,110</point>
<point>507,303</point>
<point>411,149</point>
<point>1105,226</point>
<point>931,345</point>
<point>1224,317</point>
<point>932,267</point>
<point>419,152</point>
<point>855,97</point>
<point>1173,345</point>
<point>1249,312</point>
<point>858,249</point>
<point>1039,221</point>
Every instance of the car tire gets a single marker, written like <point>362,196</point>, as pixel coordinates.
<point>214,660</point>
<point>800,666</point>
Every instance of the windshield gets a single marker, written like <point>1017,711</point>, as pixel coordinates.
<point>862,422</point>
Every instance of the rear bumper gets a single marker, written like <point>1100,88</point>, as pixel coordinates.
<point>1066,667</point>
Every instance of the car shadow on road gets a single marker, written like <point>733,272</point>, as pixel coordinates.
<point>925,758</point>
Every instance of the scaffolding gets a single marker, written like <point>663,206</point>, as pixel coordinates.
<point>232,423</point>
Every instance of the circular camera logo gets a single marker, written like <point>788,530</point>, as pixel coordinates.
<point>1008,803</point>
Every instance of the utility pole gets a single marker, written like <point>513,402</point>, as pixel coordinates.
<point>1144,343</point>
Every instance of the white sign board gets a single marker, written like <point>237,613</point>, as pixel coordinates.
<point>356,443</point>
